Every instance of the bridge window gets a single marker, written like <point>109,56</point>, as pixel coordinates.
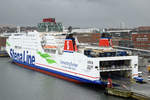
<point>51,51</point>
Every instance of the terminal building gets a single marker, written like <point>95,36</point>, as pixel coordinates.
<point>141,37</point>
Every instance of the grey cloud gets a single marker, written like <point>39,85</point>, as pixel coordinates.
<point>84,13</point>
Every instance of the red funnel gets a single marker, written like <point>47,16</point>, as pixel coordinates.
<point>105,42</point>
<point>68,46</point>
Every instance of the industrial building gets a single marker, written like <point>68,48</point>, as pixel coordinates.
<point>141,37</point>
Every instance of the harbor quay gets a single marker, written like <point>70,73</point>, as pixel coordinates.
<point>87,58</point>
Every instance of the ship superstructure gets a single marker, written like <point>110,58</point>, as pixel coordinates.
<point>60,55</point>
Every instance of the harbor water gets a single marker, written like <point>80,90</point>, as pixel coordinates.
<point>17,83</point>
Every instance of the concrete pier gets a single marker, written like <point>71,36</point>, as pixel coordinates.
<point>132,89</point>
<point>134,94</point>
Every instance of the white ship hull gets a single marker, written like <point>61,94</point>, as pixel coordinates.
<point>26,49</point>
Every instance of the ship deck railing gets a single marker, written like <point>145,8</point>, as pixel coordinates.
<point>115,69</point>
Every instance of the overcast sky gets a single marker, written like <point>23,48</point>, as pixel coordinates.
<point>83,13</point>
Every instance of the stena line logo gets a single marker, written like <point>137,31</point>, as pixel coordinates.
<point>23,57</point>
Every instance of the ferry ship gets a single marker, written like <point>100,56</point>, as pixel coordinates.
<point>51,51</point>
